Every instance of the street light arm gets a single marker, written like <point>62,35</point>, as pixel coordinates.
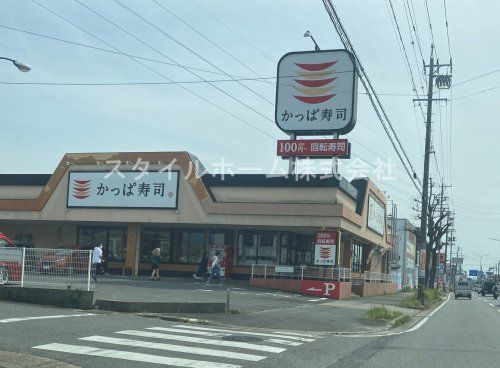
<point>21,66</point>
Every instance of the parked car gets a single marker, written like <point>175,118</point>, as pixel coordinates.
<point>65,259</point>
<point>10,263</point>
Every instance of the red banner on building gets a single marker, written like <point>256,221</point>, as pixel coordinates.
<point>313,147</point>
<point>326,237</point>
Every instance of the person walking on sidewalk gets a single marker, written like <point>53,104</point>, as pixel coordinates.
<point>215,268</point>
<point>155,264</point>
<point>97,261</point>
<point>202,268</point>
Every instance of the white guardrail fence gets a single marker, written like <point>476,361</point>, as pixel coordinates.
<point>317,273</point>
<point>301,272</point>
<point>54,268</point>
<point>379,277</point>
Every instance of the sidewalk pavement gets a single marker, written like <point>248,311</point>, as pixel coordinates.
<point>250,306</point>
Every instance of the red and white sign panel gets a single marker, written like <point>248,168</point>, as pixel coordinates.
<point>128,189</point>
<point>313,147</point>
<point>324,289</point>
<point>326,237</point>
<point>325,248</point>
<point>316,92</point>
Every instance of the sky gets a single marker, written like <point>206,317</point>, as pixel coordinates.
<point>195,41</point>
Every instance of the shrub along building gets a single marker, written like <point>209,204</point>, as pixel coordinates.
<point>135,202</point>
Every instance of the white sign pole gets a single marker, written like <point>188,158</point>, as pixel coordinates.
<point>335,161</point>
<point>292,159</point>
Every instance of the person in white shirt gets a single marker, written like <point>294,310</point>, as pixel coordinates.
<point>97,261</point>
<point>215,268</point>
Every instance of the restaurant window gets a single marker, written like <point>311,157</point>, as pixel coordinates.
<point>113,239</point>
<point>305,250</point>
<point>256,247</point>
<point>117,244</point>
<point>189,246</point>
<point>221,237</point>
<point>155,237</point>
<point>358,257</point>
<point>286,251</point>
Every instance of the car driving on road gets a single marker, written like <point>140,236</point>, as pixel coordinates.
<point>463,288</point>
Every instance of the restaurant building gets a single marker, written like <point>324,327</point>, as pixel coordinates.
<point>134,202</point>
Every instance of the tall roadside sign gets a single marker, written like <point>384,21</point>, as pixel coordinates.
<point>316,94</point>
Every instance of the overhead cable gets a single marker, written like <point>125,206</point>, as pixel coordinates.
<point>379,110</point>
<point>154,71</point>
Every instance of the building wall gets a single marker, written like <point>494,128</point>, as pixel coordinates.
<point>299,209</point>
<point>20,192</point>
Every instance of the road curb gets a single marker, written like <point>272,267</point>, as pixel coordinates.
<point>177,319</point>
<point>159,307</point>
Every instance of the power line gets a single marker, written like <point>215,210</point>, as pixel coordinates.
<point>415,27</point>
<point>113,51</point>
<point>402,46</point>
<point>430,24</point>
<point>478,93</point>
<point>477,77</point>
<point>164,55</point>
<point>451,132</point>
<point>265,54</point>
<point>139,83</point>
<point>187,48</point>
<point>447,28</point>
<point>441,138</point>
<point>383,118</point>
<point>417,65</point>
<point>408,64</point>
<point>210,41</point>
<point>153,70</point>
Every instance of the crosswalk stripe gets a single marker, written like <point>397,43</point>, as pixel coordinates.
<point>198,340</point>
<point>295,334</point>
<point>136,357</point>
<point>190,332</point>
<point>284,342</point>
<point>172,347</point>
<point>239,332</point>
<point>11,320</point>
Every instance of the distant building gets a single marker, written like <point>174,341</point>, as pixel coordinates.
<point>405,253</point>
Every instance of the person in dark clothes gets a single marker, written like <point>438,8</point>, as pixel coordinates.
<point>202,268</point>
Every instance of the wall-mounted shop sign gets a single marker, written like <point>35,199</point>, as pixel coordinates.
<point>376,215</point>
<point>123,189</point>
<point>325,248</point>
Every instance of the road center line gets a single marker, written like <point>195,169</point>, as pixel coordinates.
<point>491,305</point>
<point>11,320</point>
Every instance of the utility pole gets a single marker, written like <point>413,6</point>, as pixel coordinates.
<point>443,198</point>
<point>425,186</point>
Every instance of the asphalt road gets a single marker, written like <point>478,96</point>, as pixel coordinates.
<point>462,333</point>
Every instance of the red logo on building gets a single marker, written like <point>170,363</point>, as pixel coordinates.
<point>315,82</point>
<point>81,189</point>
<point>325,252</point>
